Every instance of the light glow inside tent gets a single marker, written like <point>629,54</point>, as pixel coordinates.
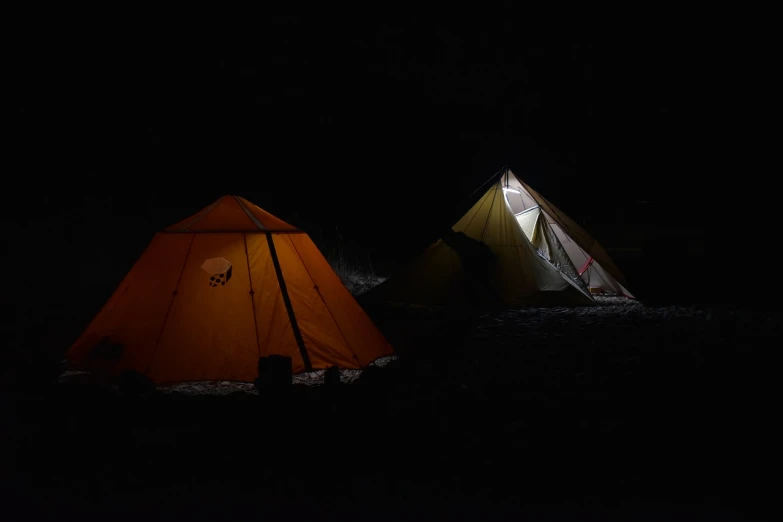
<point>505,252</point>
<point>521,201</point>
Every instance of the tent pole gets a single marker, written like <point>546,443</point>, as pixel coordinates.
<point>495,175</point>
<point>289,307</point>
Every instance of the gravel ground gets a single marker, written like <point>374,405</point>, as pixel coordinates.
<point>315,378</point>
<point>619,411</point>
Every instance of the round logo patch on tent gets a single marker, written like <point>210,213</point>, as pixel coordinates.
<point>219,270</point>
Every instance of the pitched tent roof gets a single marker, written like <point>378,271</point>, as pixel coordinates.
<point>232,214</point>
<point>214,292</point>
<point>517,274</point>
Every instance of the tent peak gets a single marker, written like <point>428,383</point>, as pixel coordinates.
<point>232,213</point>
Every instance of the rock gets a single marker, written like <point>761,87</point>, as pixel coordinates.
<point>82,378</point>
<point>135,385</point>
<point>375,378</point>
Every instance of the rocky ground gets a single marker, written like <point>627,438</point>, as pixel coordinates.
<point>618,411</point>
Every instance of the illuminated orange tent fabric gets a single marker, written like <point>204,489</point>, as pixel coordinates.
<point>213,293</point>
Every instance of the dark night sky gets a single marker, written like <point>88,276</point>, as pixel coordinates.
<point>382,131</point>
<point>424,112</point>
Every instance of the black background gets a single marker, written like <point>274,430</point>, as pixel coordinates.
<point>379,132</point>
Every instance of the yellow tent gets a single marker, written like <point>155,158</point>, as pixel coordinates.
<point>213,293</point>
<point>529,246</point>
<point>559,239</point>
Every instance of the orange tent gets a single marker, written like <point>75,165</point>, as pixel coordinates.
<point>215,292</point>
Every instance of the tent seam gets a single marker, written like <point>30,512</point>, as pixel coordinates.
<point>252,294</point>
<point>476,214</point>
<point>489,215</point>
<point>501,171</point>
<point>254,219</point>
<point>171,304</point>
<point>201,215</point>
<point>325,304</point>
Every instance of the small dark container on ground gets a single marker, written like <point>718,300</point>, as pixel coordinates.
<point>332,376</point>
<point>274,372</point>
